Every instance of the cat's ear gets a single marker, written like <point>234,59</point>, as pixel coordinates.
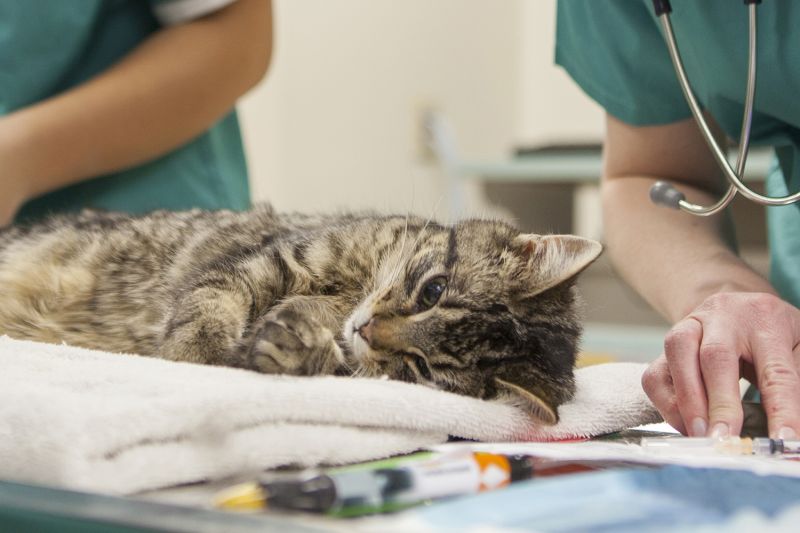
<point>553,259</point>
<point>538,408</point>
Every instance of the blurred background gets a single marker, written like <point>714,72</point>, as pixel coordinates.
<point>447,109</point>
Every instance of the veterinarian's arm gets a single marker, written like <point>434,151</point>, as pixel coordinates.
<point>171,88</point>
<point>724,313</point>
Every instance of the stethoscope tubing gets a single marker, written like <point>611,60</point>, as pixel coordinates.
<point>735,183</point>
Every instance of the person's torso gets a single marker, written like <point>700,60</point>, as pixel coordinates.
<point>49,47</point>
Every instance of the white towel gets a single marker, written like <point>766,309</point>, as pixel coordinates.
<point>122,423</point>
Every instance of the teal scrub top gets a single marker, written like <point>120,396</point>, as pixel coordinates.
<point>615,51</point>
<point>47,47</point>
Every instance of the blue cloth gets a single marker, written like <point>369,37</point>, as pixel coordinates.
<point>671,498</point>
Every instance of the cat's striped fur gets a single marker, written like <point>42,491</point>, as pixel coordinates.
<point>475,308</point>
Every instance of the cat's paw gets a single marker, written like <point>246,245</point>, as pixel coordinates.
<point>287,342</point>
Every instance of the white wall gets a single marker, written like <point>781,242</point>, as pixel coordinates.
<point>335,125</point>
<point>552,106</point>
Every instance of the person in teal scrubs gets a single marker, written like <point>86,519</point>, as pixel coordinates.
<point>126,104</point>
<point>728,321</point>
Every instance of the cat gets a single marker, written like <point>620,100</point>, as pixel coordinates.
<point>476,308</point>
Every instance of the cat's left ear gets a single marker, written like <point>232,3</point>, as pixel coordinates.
<point>526,400</point>
<point>553,259</point>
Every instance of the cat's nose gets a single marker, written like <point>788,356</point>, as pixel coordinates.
<point>365,331</point>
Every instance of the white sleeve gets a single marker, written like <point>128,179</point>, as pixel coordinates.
<point>171,12</point>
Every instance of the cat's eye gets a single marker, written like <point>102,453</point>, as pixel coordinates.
<point>431,292</point>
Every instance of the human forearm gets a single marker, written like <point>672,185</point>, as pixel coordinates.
<point>168,90</point>
<point>673,259</point>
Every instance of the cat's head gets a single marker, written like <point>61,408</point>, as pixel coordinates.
<point>477,309</point>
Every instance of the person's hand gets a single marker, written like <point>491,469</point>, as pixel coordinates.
<point>12,197</point>
<point>10,202</point>
<point>695,384</point>
<point>6,216</point>
<point>13,191</point>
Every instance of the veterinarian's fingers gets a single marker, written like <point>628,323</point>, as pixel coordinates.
<point>719,364</point>
<point>681,349</point>
<point>778,380</point>
<point>657,384</point>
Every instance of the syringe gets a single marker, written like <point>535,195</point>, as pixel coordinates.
<point>730,445</point>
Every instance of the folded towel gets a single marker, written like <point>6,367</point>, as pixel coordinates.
<point>123,423</point>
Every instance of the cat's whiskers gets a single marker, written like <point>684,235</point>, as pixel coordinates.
<point>402,258</point>
<point>398,265</point>
<point>348,366</point>
<point>362,371</point>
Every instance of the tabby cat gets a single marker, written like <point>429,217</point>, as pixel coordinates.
<point>475,308</point>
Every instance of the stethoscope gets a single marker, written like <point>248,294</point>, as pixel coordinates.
<point>665,194</point>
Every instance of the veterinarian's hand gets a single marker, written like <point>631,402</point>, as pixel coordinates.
<point>6,215</point>
<point>730,335</point>
<point>10,202</point>
<point>12,195</point>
